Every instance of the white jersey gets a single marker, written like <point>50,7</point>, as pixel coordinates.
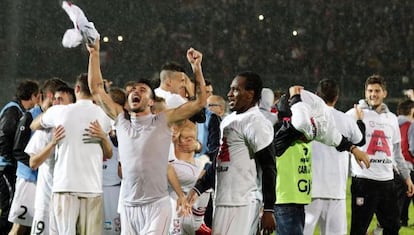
<point>187,175</point>
<point>143,149</point>
<point>37,143</point>
<point>330,167</point>
<point>78,165</point>
<point>243,135</point>
<point>110,168</point>
<point>313,118</point>
<point>382,132</point>
<point>111,189</point>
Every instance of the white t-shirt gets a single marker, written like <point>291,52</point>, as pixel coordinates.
<point>243,135</point>
<point>37,143</point>
<point>110,168</point>
<point>78,165</point>
<point>143,150</point>
<point>187,175</point>
<point>330,167</point>
<point>382,132</point>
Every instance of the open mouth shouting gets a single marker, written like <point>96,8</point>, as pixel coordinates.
<point>135,100</point>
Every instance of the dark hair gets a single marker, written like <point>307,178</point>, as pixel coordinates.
<point>26,89</point>
<point>149,84</point>
<point>68,90</point>
<point>51,85</point>
<point>404,107</point>
<point>376,79</point>
<point>118,95</point>
<point>156,82</point>
<point>82,81</point>
<point>278,93</point>
<point>173,66</point>
<point>129,83</point>
<point>253,82</point>
<point>328,90</point>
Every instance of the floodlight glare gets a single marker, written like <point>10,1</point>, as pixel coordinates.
<point>261,17</point>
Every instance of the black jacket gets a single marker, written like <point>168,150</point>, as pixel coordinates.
<point>8,125</point>
<point>21,138</point>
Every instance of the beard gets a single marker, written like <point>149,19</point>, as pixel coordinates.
<point>138,109</point>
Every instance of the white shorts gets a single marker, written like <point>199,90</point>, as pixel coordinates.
<point>240,220</point>
<point>120,204</point>
<point>73,213</point>
<point>149,219</point>
<point>112,221</point>
<point>330,214</point>
<point>40,222</point>
<point>22,207</point>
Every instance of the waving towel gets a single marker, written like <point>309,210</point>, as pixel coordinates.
<point>83,31</point>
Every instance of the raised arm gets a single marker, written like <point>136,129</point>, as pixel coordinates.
<point>96,83</point>
<point>190,108</point>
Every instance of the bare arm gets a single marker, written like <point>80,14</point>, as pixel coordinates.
<point>190,108</point>
<point>182,205</point>
<point>189,86</point>
<point>106,148</point>
<point>96,83</point>
<point>95,134</point>
<point>35,125</point>
<point>37,159</point>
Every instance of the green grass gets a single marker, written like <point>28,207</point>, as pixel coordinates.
<point>403,231</point>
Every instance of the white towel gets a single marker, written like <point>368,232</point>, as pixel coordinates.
<point>83,31</point>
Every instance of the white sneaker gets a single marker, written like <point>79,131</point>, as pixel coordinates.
<point>377,231</point>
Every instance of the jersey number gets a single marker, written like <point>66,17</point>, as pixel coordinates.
<point>224,155</point>
<point>21,216</point>
<point>40,227</point>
